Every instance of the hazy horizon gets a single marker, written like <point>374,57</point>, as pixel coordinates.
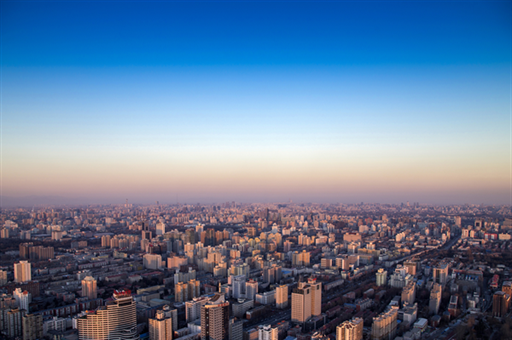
<point>257,101</point>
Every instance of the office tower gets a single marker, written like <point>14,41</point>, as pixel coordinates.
<point>316,296</point>
<point>22,271</point>
<point>15,322</point>
<point>282,296</point>
<point>441,274</point>
<point>152,261</point>
<point>32,326</point>
<point>500,304</point>
<point>215,319</point>
<point>89,289</point>
<point>382,277</point>
<point>193,308</point>
<point>160,228</point>
<point>238,283</point>
<point>160,327</point>
<point>350,330</point>
<point>116,320</point>
<point>266,332</point>
<point>23,298</point>
<point>251,289</point>
<point>384,326</point>
<point>301,303</point>
<point>181,292</point>
<point>435,298</point>
<point>409,293</point>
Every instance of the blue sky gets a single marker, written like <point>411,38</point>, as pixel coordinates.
<point>314,101</point>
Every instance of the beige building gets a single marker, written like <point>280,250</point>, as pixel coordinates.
<point>116,320</point>
<point>89,288</point>
<point>22,271</point>
<point>160,327</point>
<point>282,296</point>
<point>384,326</point>
<point>350,330</point>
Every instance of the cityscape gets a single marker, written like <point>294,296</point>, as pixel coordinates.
<point>255,170</point>
<point>257,272</point>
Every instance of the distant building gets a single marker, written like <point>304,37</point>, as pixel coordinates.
<point>384,326</point>
<point>215,319</point>
<point>160,327</point>
<point>382,277</point>
<point>500,304</point>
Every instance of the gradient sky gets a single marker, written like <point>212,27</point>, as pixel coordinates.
<point>257,101</point>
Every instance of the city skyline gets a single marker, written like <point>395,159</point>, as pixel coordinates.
<point>256,101</point>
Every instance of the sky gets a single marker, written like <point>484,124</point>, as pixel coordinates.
<point>261,101</point>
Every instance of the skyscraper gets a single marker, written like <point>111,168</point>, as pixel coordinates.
<point>435,298</point>
<point>89,289</point>
<point>116,320</point>
<point>238,283</point>
<point>409,293</point>
<point>22,271</point>
<point>282,296</point>
<point>160,327</point>
<point>193,308</point>
<point>350,330</point>
<point>215,319</point>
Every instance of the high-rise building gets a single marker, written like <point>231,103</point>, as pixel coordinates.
<point>282,296</point>
<point>266,332</point>
<point>316,296</point>
<point>193,308</point>
<point>384,326</point>
<point>160,327</point>
<point>3,277</point>
<point>194,289</point>
<point>181,292</point>
<point>238,283</point>
<point>160,228</point>
<point>301,304</point>
<point>411,267</point>
<point>441,274</point>
<point>32,326</point>
<point>15,322</point>
<point>215,319</point>
<point>382,277</point>
<point>409,293</point>
<point>435,298</point>
<point>500,304</point>
<point>22,271</point>
<point>507,287</point>
<point>89,289</point>
<point>152,261</point>
<point>23,298</point>
<point>236,329</point>
<point>350,330</point>
<point>116,320</point>
<point>251,289</point>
